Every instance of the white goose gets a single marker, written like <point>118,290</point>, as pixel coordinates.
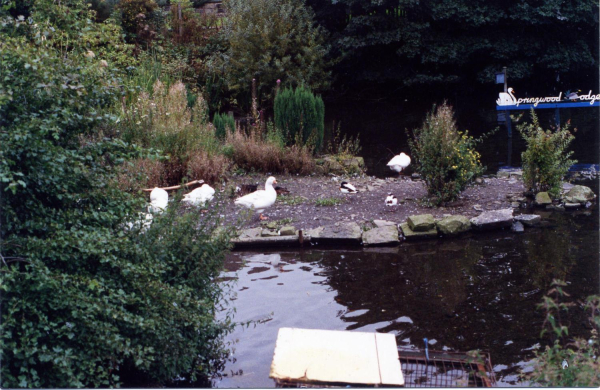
<point>399,162</point>
<point>199,196</point>
<point>159,199</point>
<point>261,199</point>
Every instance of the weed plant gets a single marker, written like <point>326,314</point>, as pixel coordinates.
<point>289,200</point>
<point>445,158</point>
<point>581,355</point>
<point>328,202</point>
<point>546,160</point>
<point>164,121</point>
<point>343,147</point>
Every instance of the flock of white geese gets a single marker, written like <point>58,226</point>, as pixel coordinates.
<point>259,200</point>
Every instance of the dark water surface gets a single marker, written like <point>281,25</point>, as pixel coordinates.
<point>382,126</point>
<point>475,292</point>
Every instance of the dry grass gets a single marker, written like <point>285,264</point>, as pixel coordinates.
<point>252,152</point>
<point>208,168</point>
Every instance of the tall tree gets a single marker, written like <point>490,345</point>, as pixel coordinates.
<point>269,40</point>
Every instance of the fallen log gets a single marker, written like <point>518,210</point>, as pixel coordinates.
<point>191,183</point>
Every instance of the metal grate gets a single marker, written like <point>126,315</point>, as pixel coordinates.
<point>446,369</point>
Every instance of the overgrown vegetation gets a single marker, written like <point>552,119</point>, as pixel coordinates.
<point>581,355</point>
<point>223,124</point>
<point>546,160</point>
<point>445,158</point>
<point>86,301</point>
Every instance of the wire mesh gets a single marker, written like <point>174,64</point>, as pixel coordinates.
<point>446,369</point>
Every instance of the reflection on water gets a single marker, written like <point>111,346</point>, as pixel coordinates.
<point>476,292</point>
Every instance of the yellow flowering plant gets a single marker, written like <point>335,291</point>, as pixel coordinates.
<point>445,158</point>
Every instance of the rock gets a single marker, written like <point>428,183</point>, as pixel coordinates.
<point>479,180</point>
<point>410,234</point>
<point>270,225</point>
<point>314,233</point>
<point>515,205</point>
<point>287,231</point>
<point>454,224</point>
<point>415,176</point>
<point>477,207</point>
<point>381,223</point>
<point>349,232</point>
<point>572,205</point>
<point>579,194</point>
<point>421,223</point>
<point>555,207</point>
<point>252,238</point>
<point>331,165</point>
<point>542,199</point>
<point>494,219</point>
<point>385,235</point>
<point>528,219</point>
<point>269,233</point>
<point>353,164</point>
<point>370,188</point>
<point>503,174</point>
<point>517,227</point>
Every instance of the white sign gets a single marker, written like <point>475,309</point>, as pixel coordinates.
<point>509,99</point>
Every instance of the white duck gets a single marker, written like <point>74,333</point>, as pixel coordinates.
<point>199,196</point>
<point>391,200</point>
<point>399,162</point>
<point>347,188</point>
<point>261,199</point>
<point>159,199</point>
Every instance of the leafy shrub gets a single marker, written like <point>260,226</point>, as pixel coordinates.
<point>222,123</point>
<point>269,40</point>
<point>581,355</point>
<point>343,147</point>
<point>140,173</point>
<point>546,160</point>
<point>301,116</point>
<point>444,157</point>
<point>253,152</point>
<point>86,302</point>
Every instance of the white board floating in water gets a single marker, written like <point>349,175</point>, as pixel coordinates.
<point>313,356</point>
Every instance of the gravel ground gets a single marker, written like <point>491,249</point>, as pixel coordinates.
<point>300,207</point>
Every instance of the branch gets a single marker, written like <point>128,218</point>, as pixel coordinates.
<point>177,187</point>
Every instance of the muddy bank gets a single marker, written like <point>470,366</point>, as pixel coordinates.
<point>315,201</point>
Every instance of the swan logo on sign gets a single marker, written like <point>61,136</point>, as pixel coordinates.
<point>508,98</point>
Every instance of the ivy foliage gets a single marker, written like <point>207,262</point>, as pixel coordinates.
<point>88,298</point>
<point>415,43</point>
<point>269,40</point>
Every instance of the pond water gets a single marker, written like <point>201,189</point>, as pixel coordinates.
<point>475,292</point>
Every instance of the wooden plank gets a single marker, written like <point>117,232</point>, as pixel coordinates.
<point>310,355</point>
<point>389,364</point>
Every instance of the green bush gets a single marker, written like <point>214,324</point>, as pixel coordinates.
<point>581,355</point>
<point>444,157</point>
<point>301,116</point>
<point>85,301</point>
<point>222,123</point>
<point>546,160</point>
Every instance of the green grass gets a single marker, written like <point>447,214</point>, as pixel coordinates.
<point>291,200</point>
<point>328,202</point>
